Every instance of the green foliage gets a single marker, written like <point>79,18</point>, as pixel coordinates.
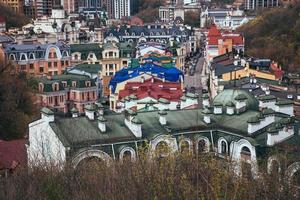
<point>275,34</point>
<point>16,107</point>
<point>12,18</point>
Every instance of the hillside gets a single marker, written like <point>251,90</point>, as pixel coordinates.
<point>276,34</point>
<point>147,10</point>
<point>12,19</point>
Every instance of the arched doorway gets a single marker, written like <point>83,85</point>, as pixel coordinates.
<point>223,147</point>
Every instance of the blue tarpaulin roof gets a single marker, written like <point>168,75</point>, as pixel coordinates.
<point>170,74</point>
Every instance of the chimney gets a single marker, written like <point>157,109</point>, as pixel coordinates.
<point>218,108</point>
<point>100,108</point>
<point>74,112</point>
<point>47,115</point>
<point>205,100</point>
<point>240,103</point>
<point>101,123</point>
<point>230,108</point>
<point>133,123</point>
<point>206,116</point>
<point>162,117</point>
<point>90,110</point>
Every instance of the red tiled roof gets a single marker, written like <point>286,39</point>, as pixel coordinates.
<point>214,32</point>
<point>236,39</point>
<point>157,89</point>
<point>12,154</point>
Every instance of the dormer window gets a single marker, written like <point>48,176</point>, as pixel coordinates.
<point>142,34</point>
<point>133,34</point>
<point>12,57</point>
<point>55,86</point>
<point>31,56</point>
<point>157,33</point>
<point>41,87</point>
<point>151,33</point>
<point>64,83</point>
<point>88,83</point>
<point>23,57</point>
<point>73,83</point>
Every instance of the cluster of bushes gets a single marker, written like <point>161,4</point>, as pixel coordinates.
<point>181,177</point>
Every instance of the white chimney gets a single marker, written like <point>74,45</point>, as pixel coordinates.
<point>74,112</point>
<point>90,110</point>
<point>101,123</point>
<point>206,116</point>
<point>218,108</point>
<point>47,114</point>
<point>133,123</point>
<point>230,108</point>
<point>162,117</point>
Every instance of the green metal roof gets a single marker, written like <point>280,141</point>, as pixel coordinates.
<point>284,102</point>
<point>89,68</point>
<point>163,100</point>
<point>228,95</point>
<point>267,97</point>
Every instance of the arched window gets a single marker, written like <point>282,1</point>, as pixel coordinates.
<point>12,57</point>
<point>23,56</point>
<point>41,87</point>
<point>89,164</point>
<point>296,179</point>
<point>162,149</point>
<point>184,146</point>
<point>31,56</point>
<point>76,57</point>
<point>246,153</point>
<point>201,146</point>
<point>223,147</point>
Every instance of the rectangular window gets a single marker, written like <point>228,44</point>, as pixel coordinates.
<point>82,96</point>
<point>55,64</point>
<point>62,63</point>
<point>49,64</point>
<point>67,63</point>
<point>41,69</point>
<point>31,66</point>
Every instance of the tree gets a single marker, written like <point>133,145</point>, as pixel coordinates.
<point>16,107</point>
<point>192,18</point>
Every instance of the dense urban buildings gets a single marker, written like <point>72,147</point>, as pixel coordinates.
<point>108,84</point>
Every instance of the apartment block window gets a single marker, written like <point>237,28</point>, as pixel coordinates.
<point>61,98</point>
<point>49,64</point>
<point>67,63</point>
<point>41,69</point>
<point>50,99</point>
<point>82,96</point>
<point>62,63</point>
<point>31,66</point>
<point>111,67</point>
<point>55,64</point>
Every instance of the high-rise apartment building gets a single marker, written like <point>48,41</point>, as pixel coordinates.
<point>258,4</point>
<point>121,8</point>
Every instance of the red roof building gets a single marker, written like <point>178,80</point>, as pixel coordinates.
<point>12,155</point>
<point>171,91</point>
<point>219,42</point>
